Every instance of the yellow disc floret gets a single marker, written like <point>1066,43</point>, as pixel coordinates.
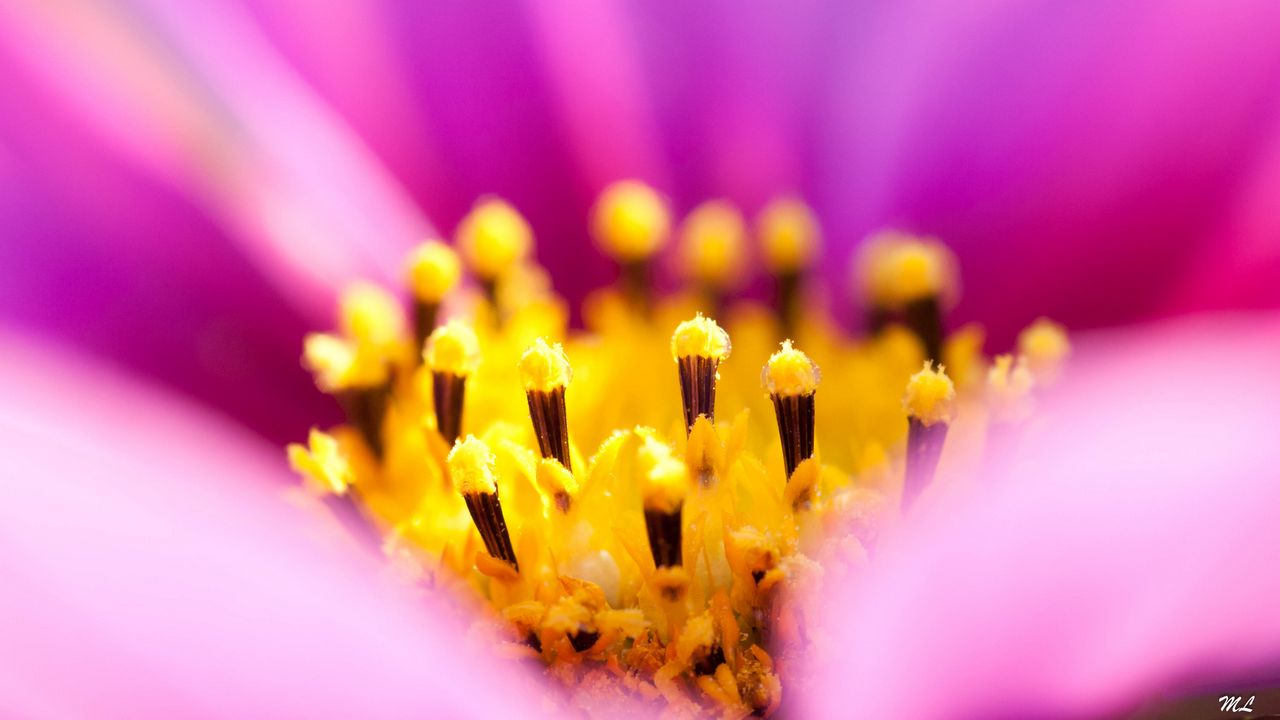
<point>631,221</point>
<point>471,467</point>
<point>895,268</point>
<point>790,372</point>
<point>664,477</point>
<point>700,337</point>
<point>453,348</point>
<point>494,238</point>
<point>544,367</point>
<point>370,315</point>
<point>1045,345</point>
<point>789,235</point>
<point>339,364</point>
<point>434,271</point>
<point>931,396</point>
<point>712,244</point>
<point>322,463</point>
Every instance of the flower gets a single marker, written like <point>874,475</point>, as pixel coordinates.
<point>255,137</point>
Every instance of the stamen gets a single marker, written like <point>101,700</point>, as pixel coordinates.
<point>908,277</point>
<point>1009,384</point>
<point>665,484</point>
<point>792,381</point>
<point>357,376</point>
<point>434,271</point>
<point>712,250</point>
<point>789,240</point>
<point>371,317</point>
<point>1045,345</point>
<point>930,405</point>
<point>471,467</point>
<point>494,239</point>
<point>546,374</point>
<point>631,222</point>
<point>452,354</point>
<point>699,345</point>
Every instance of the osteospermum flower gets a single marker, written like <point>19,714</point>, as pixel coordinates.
<point>188,185</point>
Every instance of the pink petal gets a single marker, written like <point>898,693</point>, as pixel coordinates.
<point>152,569</point>
<point>1127,549</point>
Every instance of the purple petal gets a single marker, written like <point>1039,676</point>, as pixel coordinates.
<point>152,569</point>
<point>1123,552</point>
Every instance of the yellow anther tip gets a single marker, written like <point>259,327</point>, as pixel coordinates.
<point>630,221</point>
<point>370,314</point>
<point>665,478</point>
<point>494,238</point>
<point>471,466</point>
<point>789,235</point>
<point>453,348</point>
<point>434,271</point>
<point>1009,385</point>
<point>790,372</point>
<point>1044,343</point>
<point>897,268</point>
<point>544,367</point>
<point>338,364</point>
<point>930,396</point>
<point>712,238</point>
<point>700,337</point>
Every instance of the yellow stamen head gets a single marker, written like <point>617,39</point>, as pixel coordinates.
<point>895,268</point>
<point>700,337</point>
<point>371,315</point>
<point>789,235</point>
<point>712,244</point>
<point>631,221</point>
<point>454,349</point>
<point>664,477</point>
<point>494,238</point>
<point>1009,385</point>
<point>544,367</point>
<point>322,463</point>
<point>931,396</point>
<point>1045,345</point>
<point>790,372</point>
<point>339,364</point>
<point>471,467</point>
<point>434,271</point>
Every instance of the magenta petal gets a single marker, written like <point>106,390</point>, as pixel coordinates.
<point>1127,550</point>
<point>151,569</point>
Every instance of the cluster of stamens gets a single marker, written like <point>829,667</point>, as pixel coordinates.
<point>675,564</point>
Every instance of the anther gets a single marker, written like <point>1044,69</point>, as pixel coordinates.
<point>712,249</point>
<point>452,354</point>
<point>1045,345</point>
<point>546,374</point>
<point>471,468</point>
<point>930,405</point>
<point>908,278</point>
<point>792,381</point>
<point>493,239</point>
<point>434,271</point>
<point>1009,385</point>
<point>665,483</point>
<point>789,239</point>
<point>699,346</point>
<point>631,222</point>
<point>357,376</point>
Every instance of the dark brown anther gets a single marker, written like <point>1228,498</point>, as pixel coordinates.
<point>924,449</point>
<point>447,391</point>
<point>425,316</point>
<point>365,409</point>
<point>664,536</point>
<point>486,512</point>
<point>924,317</point>
<point>550,423</point>
<point>795,415</point>
<point>787,300</point>
<point>636,284</point>
<point>698,388</point>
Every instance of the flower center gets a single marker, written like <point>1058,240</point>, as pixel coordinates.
<point>675,563</point>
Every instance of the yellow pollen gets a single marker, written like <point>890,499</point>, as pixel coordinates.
<point>544,367</point>
<point>664,477</point>
<point>631,221</point>
<point>789,235</point>
<point>896,268</point>
<point>322,463</point>
<point>340,365</point>
<point>931,396</point>
<point>371,315</point>
<point>434,271</point>
<point>494,238</point>
<point>790,372</point>
<point>1045,345</point>
<point>1009,385</point>
<point>453,348</point>
<point>712,244</point>
<point>700,337</point>
<point>471,467</point>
